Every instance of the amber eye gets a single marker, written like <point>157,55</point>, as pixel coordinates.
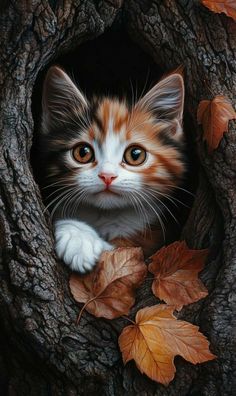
<point>83,153</point>
<point>134,155</point>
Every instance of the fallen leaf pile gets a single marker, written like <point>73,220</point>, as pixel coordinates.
<point>214,115</point>
<point>157,336</point>
<point>228,7</point>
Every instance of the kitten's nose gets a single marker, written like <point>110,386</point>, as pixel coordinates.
<point>107,178</point>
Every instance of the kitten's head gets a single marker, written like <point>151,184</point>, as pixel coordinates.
<point>108,153</point>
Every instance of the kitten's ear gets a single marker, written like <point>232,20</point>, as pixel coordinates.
<point>166,101</point>
<point>61,99</point>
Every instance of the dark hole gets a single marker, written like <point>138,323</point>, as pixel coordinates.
<point>113,64</point>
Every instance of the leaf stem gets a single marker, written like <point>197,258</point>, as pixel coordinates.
<point>130,320</point>
<point>83,308</point>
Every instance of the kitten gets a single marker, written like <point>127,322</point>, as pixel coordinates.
<point>109,165</point>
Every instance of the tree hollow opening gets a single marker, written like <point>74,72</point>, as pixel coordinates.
<point>114,65</point>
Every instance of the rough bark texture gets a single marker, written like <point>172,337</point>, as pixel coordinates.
<point>44,352</point>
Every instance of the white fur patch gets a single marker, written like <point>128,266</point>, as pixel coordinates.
<point>78,244</point>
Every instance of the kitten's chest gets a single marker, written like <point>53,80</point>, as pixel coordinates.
<point>125,228</point>
<point>113,223</point>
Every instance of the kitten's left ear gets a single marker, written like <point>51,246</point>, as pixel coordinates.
<point>61,99</point>
<point>166,101</point>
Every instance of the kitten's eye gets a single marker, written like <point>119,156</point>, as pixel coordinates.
<point>83,153</point>
<point>134,155</point>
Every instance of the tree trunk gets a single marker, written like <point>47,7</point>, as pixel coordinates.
<point>43,351</point>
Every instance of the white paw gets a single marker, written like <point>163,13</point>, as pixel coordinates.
<point>78,244</point>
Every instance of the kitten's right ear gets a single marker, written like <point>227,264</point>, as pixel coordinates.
<point>61,99</point>
<point>166,102</point>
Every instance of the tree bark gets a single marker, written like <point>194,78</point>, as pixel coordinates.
<point>44,352</point>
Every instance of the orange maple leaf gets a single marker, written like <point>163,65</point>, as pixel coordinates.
<point>108,291</point>
<point>176,269</point>
<point>228,7</point>
<point>214,115</point>
<point>157,337</point>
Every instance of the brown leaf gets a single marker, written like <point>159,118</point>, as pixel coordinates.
<point>108,291</point>
<point>228,7</point>
<point>157,337</point>
<point>214,115</point>
<point>176,269</point>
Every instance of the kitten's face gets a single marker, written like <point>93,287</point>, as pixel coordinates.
<point>108,154</point>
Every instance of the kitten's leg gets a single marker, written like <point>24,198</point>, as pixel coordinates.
<point>78,244</point>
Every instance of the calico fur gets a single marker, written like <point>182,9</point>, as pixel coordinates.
<point>89,215</point>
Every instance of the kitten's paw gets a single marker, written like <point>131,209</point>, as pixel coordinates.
<point>78,244</point>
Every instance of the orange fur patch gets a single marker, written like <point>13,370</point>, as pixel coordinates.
<point>149,240</point>
<point>110,114</point>
<point>140,127</point>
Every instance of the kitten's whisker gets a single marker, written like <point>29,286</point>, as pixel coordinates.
<point>74,194</point>
<point>142,213</point>
<point>145,218</point>
<point>132,104</point>
<point>136,91</point>
<point>165,206</point>
<point>180,188</point>
<point>64,197</point>
<point>154,203</point>
<point>173,199</point>
<point>56,183</point>
<point>58,189</point>
<point>162,203</point>
<point>69,198</point>
<point>157,214</point>
<point>54,200</point>
<point>167,196</point>
<point>132,93</point>
<point>79,199</point>
<point>145,85</point>
<point>72,199</point>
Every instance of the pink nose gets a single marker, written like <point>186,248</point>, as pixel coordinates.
<point>107,178</point>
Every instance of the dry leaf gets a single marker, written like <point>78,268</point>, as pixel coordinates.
<point>228,7</point>
<point>108,291</point>
<point>214,115</point>
<point>157,337</point>
<point>176,269</point>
